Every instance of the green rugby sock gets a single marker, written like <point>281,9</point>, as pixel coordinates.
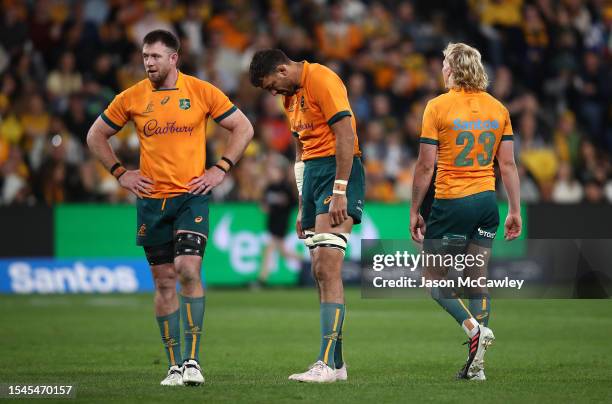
<point>480,307</point>
<point>338,356</point>
<point>192,309</point>
<point>453,305</point>
<point>170,329</point>
<point>331,314</point>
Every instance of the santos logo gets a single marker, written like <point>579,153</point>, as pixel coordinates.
<point>76,278</point>
<point>458,124</point>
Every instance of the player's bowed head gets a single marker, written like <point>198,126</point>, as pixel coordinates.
<point>274,72</point>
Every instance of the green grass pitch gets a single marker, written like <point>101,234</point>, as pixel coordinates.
<point>397,350</point>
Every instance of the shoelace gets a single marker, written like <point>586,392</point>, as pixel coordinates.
<point>190,366</point>
<point>316,368</point>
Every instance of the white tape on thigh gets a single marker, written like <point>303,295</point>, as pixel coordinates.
<point>298,170</point>
<point>308,240</point>
<point>331,240</point>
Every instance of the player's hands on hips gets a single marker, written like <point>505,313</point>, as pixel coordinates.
<point>513,226</point>
<point>139,185</point>
<point>337,209</point>
<point>205,183</point>
<point>417,227</point>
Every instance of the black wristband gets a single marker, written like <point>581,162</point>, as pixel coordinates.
<point>119,176</point>
<point>221,168</point>
<point>114,167</point>
<point>228,161</point>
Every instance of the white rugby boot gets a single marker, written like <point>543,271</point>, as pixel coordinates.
<point>341,374</point>
<point>192,373</point>
<point>174,377</point>
<point>319,372</point>
<point>480,376</point>
<point>477,347</point>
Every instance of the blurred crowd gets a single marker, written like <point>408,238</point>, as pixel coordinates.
<point>549,62</point>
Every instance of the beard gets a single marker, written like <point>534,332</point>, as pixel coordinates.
<point>294,89</point>
<point>291,91</point>
<point>158,76</point>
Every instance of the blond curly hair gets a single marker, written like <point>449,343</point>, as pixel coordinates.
<point>467,70</point>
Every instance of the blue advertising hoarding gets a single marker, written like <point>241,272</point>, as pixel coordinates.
<point>49,275</point>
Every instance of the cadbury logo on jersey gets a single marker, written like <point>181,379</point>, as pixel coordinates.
<point>153,128</point>
<point>300,126</point>
<point>458,124</point>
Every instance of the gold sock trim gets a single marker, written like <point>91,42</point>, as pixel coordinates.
<point>195,337</point>
<point>465,308</point>
<point>167,339</point>
<point>326,356</point>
